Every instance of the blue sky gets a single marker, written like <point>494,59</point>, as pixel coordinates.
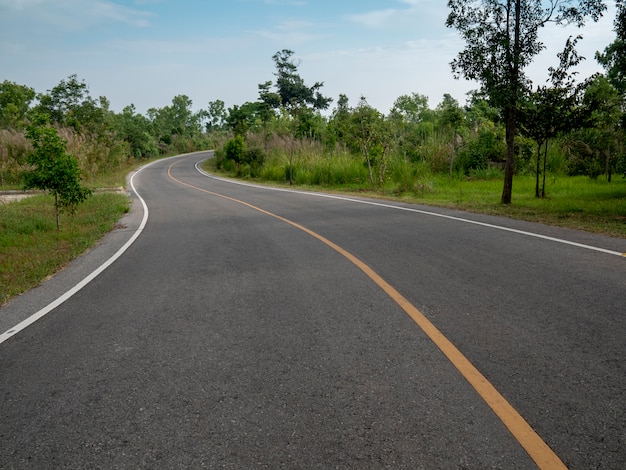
<point>145,52</point>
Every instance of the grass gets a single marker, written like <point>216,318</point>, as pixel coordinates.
<point>574,202</point>
<point>31,249</point>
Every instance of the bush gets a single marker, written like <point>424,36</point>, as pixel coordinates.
<point>478,153</point>
<point>254,157</point>
<point>235,149</point>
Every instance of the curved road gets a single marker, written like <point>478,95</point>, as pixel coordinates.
<point>248,327</point>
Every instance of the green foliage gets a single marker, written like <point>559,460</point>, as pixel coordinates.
<point>235,156</point>
<point>282,133</point>
<point>69,104</point>
<point>488,147</point>
<point>411,108</point>
<point>216,116</point>
<point>241,119</point>
<point>14,104</point>
<point>502,38</point>
<point>293,92</point>
<point>53,169</point>
<point>410,178</point>
<point>235,149</point>
<point>177,119</point>
<point>613,59</point>
<point>599,147</point>
<point>134,129</point>
<point>300,101</point>
<point>369,136</point>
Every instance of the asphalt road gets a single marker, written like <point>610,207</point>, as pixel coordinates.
<point>252,328</point>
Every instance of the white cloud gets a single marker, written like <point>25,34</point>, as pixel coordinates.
<point>422,17</point>
<point>292,32</point>
<point>374,19</point>
<point>72,15</point>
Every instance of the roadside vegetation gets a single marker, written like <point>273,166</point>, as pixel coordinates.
<point>552,153</point>
<point>31,248</point>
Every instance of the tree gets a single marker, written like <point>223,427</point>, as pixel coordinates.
<point>177,119</point>
<point>411,108</point>
<point>412,123</point>
<point>551,110</point>
<point>614,62</point>
<point>603,105</point>
<point>69,104</point>
<point>449,118</point>
<point>14,103</point>
<point>294,93</point>
<point>369,135</point>
<point>235,150</point>
<point>297,98</point>
<point>242,118</point>
<point>449,114</point>
<point>614,57</point>
<point>216,115</point>
<point>53,169</point>
<point>61,102</point>
<point>502,38</point>
<point>134,128</point>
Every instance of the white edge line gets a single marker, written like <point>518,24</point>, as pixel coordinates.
<point>54,304</point>
<point>419,211</point>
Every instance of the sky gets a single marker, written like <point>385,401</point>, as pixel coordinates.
<point>145,52</point>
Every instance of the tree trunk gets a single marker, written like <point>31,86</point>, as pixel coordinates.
<point>509,166</point>
<point>545,161</point>
<point>510,111</point>
<point>538,170</point>
<point>608,165</point>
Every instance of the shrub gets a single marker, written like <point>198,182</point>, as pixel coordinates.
<point>478,153</point>
<point>235,149</point>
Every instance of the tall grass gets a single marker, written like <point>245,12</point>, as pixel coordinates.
<point>576,202</point>
<point>13,151</point>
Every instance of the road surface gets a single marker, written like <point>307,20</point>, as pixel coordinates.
<point>246,327</point>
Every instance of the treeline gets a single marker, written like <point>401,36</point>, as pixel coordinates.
<point>294,133</point>
<point>101,140</point>
<point>567,128</point>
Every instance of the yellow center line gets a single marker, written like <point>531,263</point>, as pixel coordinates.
<point>537,449</point>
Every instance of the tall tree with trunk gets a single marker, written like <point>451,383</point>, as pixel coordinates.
<point>502,38</point>
<point>293,95</point>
